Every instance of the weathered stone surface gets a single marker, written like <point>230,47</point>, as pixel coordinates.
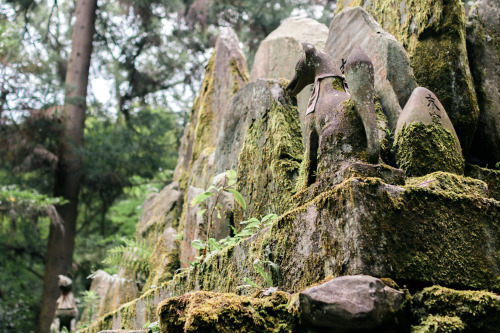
<point>191,228</point>
<point>416,234</point>
<point>423,106</point>
<point>120,291</point>
<point>226,72</point>
<point>425,139</point>
<point>160,218</point>
<point>483,46</point>
<point>363,226</point>
<point>158,210</point>
<point>278,53</point>
<point>326,181</point>
<point>394,80</point>
<point>212,313</point>
<point>350,302</point>
<point>271,152</point>
<point>250,103</point>
<point>433,33</point>
<point>439,309</point>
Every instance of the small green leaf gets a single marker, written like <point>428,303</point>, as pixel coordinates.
<point>214,246</point>
<point>201,212</point>
<point>218,214</point>
<point>239,198</point>
<point>231,182</point>
<point>253,219</point>
<point>201,197</point>
<point>257,264</point>
<point>231,174</point>
<point>269,217</point>
<point>250,282</point>
<point>197,244</point>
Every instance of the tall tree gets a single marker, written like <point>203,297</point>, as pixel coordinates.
<point>67,179</point>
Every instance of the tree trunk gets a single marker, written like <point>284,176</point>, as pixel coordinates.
<point>67,178</point>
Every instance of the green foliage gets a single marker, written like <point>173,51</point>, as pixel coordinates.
<point>267,275</point>
<point>12,197</point>
<point>153,327</point>
<point>132,255</point>
<point>222,183</point>
<point>89,303</point>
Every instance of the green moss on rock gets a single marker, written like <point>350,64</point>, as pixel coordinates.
<point>269,161</point>
<point>450,184</point>
<point>422,149</point>
<point>439,324</point>
<point>211,312</point>
<point>440,309</point>
<point>433,33</point>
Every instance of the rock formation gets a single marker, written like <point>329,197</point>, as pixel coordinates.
<point>394,80</point>
<point>433,33</point>
<point>483,47</point>
<point>360,246</point>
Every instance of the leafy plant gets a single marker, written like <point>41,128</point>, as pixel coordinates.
<point>222,183</point>
<point>153,327</point>
<point>258,265</point>
<point>90,301</point>
<point>133,255</point>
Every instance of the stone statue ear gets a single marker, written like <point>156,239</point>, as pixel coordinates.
<point>308,48</point>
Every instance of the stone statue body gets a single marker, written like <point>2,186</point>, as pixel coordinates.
<point>67,311</point>
<point>329,128</point>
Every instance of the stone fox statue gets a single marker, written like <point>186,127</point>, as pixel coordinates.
<point>66,312</point>
<point>330,128</point>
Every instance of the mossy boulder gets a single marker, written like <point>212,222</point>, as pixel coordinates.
<point>413,234</point>
<point>483,47</point>
<point>279,52</point>
<point>210,312</point>
<point>226,73</point>
<point>270,157</point>
<point>439,309</point>
<point>433,33</point>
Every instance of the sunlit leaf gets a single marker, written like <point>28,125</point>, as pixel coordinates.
<point>239,198</point>
<point>201,197</point>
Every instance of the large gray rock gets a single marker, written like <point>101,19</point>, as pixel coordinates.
<point>350,302</point>
<point>159,209</point>
<point>261,139</point>
<point>279,52</point>
<point>483,46</point>
<point>394,80</point>
<point>226,73</point>
<point>191,228</point>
